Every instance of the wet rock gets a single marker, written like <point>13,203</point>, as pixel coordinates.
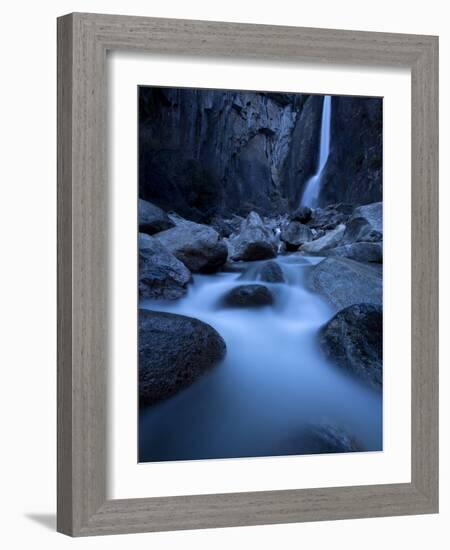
<point>254,242</point>
<point>198,246</point>
<point>249,296</point>
<point>271,272</point>
<point>295,234</point>
<point>174,351</point>
<point>331,239</point>
<point>353,340</point>
<point>161,275</point>
<point>152,219</point>
<point>360,252</point>
<point>343,282</point>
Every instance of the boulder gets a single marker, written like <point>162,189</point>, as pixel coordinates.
<point>271,272</point>
<point>353,340</point>
<point>295,234</point>
<point>161,275</point>
<point>360,252</point>
<point>248,296</point>
<point>360,230</point>
<point>254,241</point>
<point>198,246</point>
<point>331,239</point>
<point>343,282</point>
<point>317,233</point>
<point>174,351</point>
<point>303,214</point>
<point>372,213</point>
<point>152,219</point>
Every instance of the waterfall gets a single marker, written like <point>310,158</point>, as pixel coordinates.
<point>312,188</point>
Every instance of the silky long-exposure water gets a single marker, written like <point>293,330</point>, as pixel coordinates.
<point>273,382</point>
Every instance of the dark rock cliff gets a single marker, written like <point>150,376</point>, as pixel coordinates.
<point>204,153</point>
<point>302,158</point>
<point>353,172</point>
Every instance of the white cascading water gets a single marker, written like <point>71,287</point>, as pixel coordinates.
<point>312,188</point>
<point>272,382</point>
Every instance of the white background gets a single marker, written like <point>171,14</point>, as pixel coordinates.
<point>27,299</point>
<point>131,480</point>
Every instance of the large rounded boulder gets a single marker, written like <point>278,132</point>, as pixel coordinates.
<point>353,340</point>
<point>344,282</point>
<point>248,296</point>
<point>254,241</point>
<point>271,272</point>
<point>360,252</point>
<point>174,351</point>
<point>198,246</point>
<point>372,214</point>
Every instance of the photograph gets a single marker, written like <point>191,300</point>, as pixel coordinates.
<point>232,224</point>
<point>260,274</point>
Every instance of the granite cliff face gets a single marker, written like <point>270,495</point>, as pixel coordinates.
<point>353,173</point>
<point>207,153</point>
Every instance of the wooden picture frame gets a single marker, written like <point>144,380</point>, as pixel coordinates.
<point>83,40</point>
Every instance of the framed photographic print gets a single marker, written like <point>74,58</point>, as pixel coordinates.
<point>247,274</point>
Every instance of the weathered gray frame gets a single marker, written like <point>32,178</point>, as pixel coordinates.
<point>83,40</point>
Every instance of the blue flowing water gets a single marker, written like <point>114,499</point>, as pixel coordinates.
<point>272,382</point>
<point>312,188</point>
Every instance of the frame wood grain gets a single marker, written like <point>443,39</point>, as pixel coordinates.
<point>83,40</point>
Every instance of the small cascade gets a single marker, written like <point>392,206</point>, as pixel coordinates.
<point>272,382</point>
<point>312,188</point>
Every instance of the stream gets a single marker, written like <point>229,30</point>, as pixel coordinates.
<point>273,382</point>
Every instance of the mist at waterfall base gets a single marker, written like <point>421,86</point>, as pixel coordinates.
<point>312,186</point>
<point>272,384</point>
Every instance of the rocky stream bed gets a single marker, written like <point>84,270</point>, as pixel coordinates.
<point>260,335</point>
